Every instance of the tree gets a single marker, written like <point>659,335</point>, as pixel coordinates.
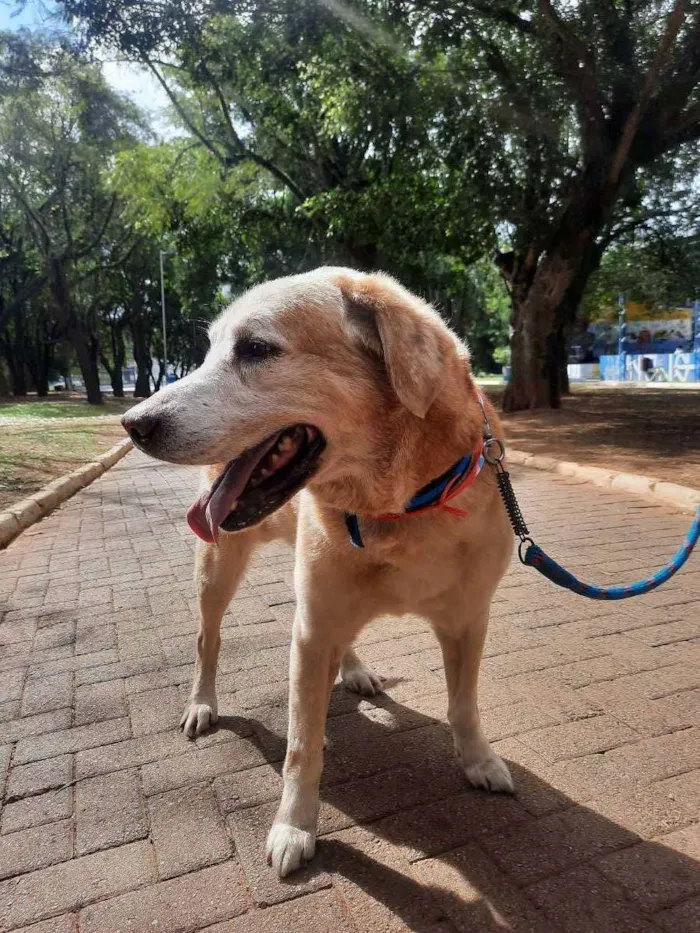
<point>174,196</point>
<point>338,122</point>
<point>659,270</point>
<point>395,132</point>
<point>595,102</point>
<point>57,128</point>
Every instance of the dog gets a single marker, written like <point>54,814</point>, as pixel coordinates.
<point>325,402</point>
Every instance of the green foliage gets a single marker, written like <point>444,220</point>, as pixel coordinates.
<point>409,136</point>
<point>657,272</point>
<point>501,356</point>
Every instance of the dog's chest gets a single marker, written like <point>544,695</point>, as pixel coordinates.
<point>404,578</point>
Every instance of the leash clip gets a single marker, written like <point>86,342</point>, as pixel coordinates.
<point>494,458</point>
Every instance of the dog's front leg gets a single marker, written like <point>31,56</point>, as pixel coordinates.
<point>462,646</point>
<point>218,571</point>
<point>314,664</point>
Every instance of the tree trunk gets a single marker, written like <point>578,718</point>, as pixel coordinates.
<point>18,378</point>
<point>42,376</point>
<point>534,381</point>
<point>15,367</point>
<point>42,354</point>
<point>161,380</point>
<point>4,384</point>
<point>117,381</point>
<point>529,385</point>
<point>561,362</point>
<point>142,356</point>
<point>68,317</point>
<point>115,372</point>
<point>564,384</point>
<point>20,353</point>
<point>547,282</point>
<point>116,375</point>
<point>87,361</point>
<point>542,309</point>
<point>16,360</point>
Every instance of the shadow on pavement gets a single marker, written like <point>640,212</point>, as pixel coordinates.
<point>403,836</point>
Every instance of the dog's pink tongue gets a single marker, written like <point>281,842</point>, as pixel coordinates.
<point>212,507</point>
<point>197,518</point>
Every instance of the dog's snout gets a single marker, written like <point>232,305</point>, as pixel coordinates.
<point>141,428</point>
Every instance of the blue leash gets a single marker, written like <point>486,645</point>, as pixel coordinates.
<point>534,556</point>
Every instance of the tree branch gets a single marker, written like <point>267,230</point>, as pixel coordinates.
<point>577,68</point>
<point>499,67</point>
<point>673,25</point>
<point>499,14</point>
<point>682,80</point>
<point>29,210</point>
<point>181,110</point>
<point>241,148</point>
<point>93,242</point>
<point>616,233</point>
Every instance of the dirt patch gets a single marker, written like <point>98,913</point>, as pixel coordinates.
<point>651,431</point>
<point>33,455</point>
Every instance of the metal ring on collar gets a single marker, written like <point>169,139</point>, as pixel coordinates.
<point>489,456</point>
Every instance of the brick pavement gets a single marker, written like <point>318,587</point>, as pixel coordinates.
<point>112,821</point>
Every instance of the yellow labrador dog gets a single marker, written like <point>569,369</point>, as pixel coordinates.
<point>326,402</point>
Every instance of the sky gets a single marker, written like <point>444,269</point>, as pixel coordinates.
<point>129,79</point>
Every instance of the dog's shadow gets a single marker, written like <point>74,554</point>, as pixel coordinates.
<point>403,836</point>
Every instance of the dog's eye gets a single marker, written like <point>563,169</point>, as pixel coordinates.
<point>255,351</point>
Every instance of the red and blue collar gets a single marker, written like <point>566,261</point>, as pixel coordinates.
<point>437,494</point>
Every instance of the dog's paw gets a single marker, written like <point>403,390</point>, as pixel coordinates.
<point>198,717</point>
<point>362,680</point>
<point>288,848</point>
<point>489,773</point>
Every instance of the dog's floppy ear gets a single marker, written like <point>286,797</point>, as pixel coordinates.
<point>403,330</point>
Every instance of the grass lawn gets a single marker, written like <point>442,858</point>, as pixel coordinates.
<point>63,405</point>
<point>31,456</point>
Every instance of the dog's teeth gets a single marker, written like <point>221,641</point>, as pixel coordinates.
<point>265,472</point>
<point>285,444</point>
<point>274,459</point>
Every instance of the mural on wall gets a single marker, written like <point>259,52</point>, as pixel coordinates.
<point>647,330</point>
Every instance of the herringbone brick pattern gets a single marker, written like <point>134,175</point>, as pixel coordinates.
<point>112,821</point>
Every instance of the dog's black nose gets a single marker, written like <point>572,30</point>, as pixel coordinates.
<point>140,428</point>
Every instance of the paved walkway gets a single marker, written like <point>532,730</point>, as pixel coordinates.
<point>112,821</point>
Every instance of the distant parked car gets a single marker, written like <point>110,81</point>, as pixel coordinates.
<point>58,385</point>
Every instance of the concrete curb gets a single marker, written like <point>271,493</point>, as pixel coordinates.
<point>661,492</point>
<point>20,516</point>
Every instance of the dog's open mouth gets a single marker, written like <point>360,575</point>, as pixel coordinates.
<point>258,482</point>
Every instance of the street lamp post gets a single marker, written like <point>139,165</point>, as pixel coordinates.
<point>696,338</point>
<point>163,253</point>
<point>621,338</point>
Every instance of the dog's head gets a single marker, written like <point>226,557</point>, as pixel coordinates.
<point>308,379</point>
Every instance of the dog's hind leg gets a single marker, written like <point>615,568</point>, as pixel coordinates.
<point>357,677</point>
<point>218,571</point>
